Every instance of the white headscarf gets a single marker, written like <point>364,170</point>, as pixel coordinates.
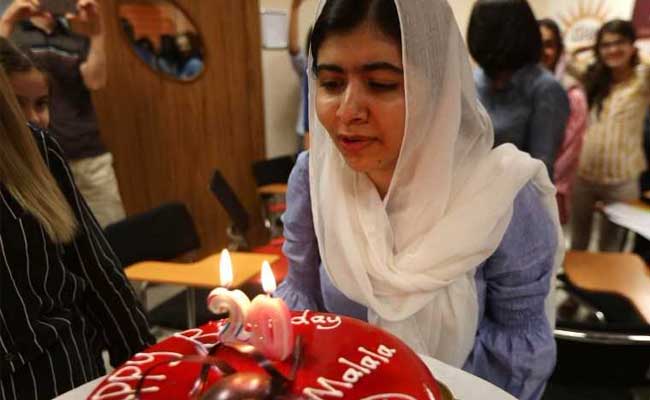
<point>411,258</point>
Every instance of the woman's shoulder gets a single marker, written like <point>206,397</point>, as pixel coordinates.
<point>530,241</point>
<point>301,167</point>
<point>542,80</point>
<point>531,223</point>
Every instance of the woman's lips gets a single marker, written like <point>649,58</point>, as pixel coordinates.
<point>354,144</point>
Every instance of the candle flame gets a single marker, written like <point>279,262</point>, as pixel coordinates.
<point>268,280</point>
<point>225,269</point>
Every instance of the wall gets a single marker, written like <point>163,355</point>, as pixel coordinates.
<point>168,137</point>
<point>281,86</point>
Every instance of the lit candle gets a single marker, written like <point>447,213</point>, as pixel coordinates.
<point>234,302</point>
<point>270,321</point>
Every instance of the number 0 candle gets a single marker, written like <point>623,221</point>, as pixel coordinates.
<point>270,321</point>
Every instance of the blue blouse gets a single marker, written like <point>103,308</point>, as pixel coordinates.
<point>531,111</point>
<point>514,347</point>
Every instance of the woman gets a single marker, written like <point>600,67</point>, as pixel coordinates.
<point>63,295</point>
<point>612,157</point>
<point>528,107</point>
<point>566,163</point>
<point>402,214</point>
<point>29,83</point>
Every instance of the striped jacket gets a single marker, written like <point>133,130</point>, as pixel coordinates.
<point>60,305</point>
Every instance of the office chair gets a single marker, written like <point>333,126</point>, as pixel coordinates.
<point>239,217</point>
<point>164,233</point>
<point>273,170</point>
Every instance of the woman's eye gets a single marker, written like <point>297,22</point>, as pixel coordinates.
<point>43,104</point>
<point>331,85</point>
<point>382,86</point>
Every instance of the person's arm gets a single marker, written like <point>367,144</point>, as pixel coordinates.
<point>301,288</point>
<point>298,59</point>
<point>514,347</point>
<point>109,301</point>
<point>547,122</point>
<point>17,11</point>
<point>88,21</point>
<point>294,42</point>
<point>566,164</point>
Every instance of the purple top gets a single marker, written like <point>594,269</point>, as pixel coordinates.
<point>514,347</point>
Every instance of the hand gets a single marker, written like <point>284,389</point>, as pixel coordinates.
<point>88,19</point>
<point>19,10</point>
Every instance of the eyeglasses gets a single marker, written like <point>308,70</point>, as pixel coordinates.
<point>613,43</point>
<point>233,384</point>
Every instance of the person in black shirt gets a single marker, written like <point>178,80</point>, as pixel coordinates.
<point>63,295</point>
<point>72,50</point>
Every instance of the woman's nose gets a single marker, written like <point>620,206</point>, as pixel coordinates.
<point>353,107</point>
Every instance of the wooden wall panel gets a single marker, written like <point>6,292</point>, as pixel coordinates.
<point>167,137</point>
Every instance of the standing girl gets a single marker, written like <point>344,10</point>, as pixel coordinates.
<point>612,156</point>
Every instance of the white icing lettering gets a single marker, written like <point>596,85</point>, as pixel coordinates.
<point>431,396</point>
<point>201,340</point>
<point>132,373</point>
<point>147,358</point>
<point>344,361</point>
<point>352,375</point>
<point>370,362</point>
<point>322,322</point>
<point>300,319</point>
<point>119,389</point>
<point>373,354</point>
<point>385,396</point>
<point>327,389</point>
<point>385,351</point>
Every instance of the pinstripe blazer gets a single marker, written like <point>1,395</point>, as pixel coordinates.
<point>60,305</point>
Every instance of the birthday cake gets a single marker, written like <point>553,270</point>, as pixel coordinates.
<point>334,357</point>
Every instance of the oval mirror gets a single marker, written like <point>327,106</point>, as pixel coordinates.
<point>163,36</point>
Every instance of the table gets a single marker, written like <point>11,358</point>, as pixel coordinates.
<point>624,274</point>
<point>463,385</point>
<point>272,189</point>
<point>633,215</point>
<point>203,273</point>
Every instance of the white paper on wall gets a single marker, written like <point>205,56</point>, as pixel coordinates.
<point>275,28</point>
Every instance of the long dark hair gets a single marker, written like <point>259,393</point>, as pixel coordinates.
<point>341,16</point>
<point>598,79</point>
<point>555,29</point>
<point>503,36</point>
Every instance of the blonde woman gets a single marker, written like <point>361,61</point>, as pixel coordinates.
<point>63,295</point>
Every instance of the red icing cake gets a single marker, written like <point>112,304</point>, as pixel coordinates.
<point>340,358</point>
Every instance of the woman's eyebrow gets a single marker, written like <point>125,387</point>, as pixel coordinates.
<point>370,67</point>
<point>329,67</point>
<point>381,65</point>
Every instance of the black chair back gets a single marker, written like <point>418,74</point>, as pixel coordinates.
<point>163,233</point>
<point>273,170</point>
<point>230,202</point>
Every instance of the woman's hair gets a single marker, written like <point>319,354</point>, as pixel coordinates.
<point>24,173</point>
<point>343,16</point>
<point>555,29</point>
<point>503,36</point>
<point>598,78</point>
